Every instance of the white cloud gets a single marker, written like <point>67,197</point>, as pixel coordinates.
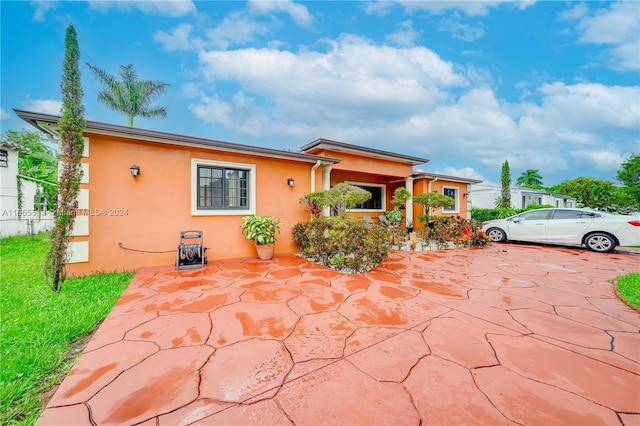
<point>377,7</point>
<point>405,35</point>
<point>236,29</point>
<point>408,99</point>
<point>299,13</point>
<point>179,38</point>
<point>46,106</point>
<point>173,8</point>
<point>3,114</point>
<point>42,7</point>
<point>460,30</point>
<point>617,27</point>
<point>470,8</point>
<point>600,159</point>
<point>465,172</point>
<point>353,81</point>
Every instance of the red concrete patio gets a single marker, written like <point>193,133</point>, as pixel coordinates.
<point>509,334</point>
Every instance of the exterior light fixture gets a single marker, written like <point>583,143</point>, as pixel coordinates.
<point>135,171</point>
<point>290,182</point>
<point>466,195</point>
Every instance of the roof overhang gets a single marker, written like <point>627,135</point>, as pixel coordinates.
<point>445,177</point>
<point>329,145</point>
<point>14,146</point>
<point>49,124</point>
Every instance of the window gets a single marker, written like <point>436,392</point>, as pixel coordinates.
<point>377,200</point>
<point>574,214</point>
<point>452,192</point>
<point>534,215</point>
<point>220,188</point>
<point>4,158</point>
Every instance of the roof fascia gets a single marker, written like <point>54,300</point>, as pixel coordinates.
<point>445,177</point>
<point>48,123</point>
<point>320,144</point>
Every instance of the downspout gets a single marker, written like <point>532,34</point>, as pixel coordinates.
<point>430,182</point>
<point>313,175</point>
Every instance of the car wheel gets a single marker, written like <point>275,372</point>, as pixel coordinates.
<point>497,235</point>
<point>600,242</point>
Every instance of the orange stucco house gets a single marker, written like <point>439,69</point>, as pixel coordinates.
<point>184,183</point>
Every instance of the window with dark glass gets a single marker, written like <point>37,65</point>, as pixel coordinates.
<point>4,158</point>
<point>451,192</point>
<point>375,202</point>
<point>222,188</point>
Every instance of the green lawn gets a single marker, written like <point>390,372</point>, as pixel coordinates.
<point>39,326</point>
<point>629,288</point>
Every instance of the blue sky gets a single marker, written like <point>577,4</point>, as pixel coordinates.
<point>548,85</point>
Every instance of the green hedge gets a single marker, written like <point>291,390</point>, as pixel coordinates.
<point>342,243</point>
<point>484,215</point>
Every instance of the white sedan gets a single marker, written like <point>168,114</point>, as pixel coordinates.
<point>598,231</point>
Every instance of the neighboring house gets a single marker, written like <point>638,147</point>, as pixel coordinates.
<point>18,219</point>
<point>485,196</point>
<point>187,183</point>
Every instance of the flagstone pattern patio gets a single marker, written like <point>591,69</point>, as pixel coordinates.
<point>509,334</point>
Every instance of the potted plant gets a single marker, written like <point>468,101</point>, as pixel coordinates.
<point>262,231</point>
<point>409,226</point>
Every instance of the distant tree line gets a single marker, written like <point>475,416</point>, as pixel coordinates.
<point>588,192</point>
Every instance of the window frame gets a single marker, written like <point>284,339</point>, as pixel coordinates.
<point>251,182</point>
<point>383,201</point>
<point>4,158</point>
<point>456,207</point>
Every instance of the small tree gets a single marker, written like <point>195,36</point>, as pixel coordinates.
<point>505,179</point>
<point>429,202</point>
<point>343,197</point>
<point>40,165</point>
<point>588,192</point>
<point>400,196</point>
<point>72,144</point>
<point>629,176</point>
<point>314,201</point>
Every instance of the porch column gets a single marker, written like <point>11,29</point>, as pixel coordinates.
<point>326,184</point>
<point>408,183</point>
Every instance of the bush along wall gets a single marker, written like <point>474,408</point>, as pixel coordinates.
<point>484,215</point>
<point>343,244</point>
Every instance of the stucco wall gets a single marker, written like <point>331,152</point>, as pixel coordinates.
<point>147,213</point>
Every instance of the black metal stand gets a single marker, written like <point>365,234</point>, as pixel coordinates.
<point>191,253</point>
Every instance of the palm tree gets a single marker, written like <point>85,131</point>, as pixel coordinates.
<point>529,179</point>
<point>129,95</point>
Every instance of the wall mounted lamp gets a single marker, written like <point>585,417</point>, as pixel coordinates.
<point>290,182</point>
<point>135,171</point>
<point>466,195</point>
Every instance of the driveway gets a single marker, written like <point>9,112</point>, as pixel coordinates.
<point>509,334</point>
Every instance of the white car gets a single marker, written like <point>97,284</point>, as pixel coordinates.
<point>596,230</point>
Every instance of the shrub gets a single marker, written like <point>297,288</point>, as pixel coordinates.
<point>485,215</point>
<point>342,243</point>
<point>313,201</point>
<point>457,230</point>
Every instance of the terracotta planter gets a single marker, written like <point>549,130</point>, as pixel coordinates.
<point>265,251</point>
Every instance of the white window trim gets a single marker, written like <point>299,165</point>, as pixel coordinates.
<point>456,206</point>
<point>384,196</point>
<point>195,162</point>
